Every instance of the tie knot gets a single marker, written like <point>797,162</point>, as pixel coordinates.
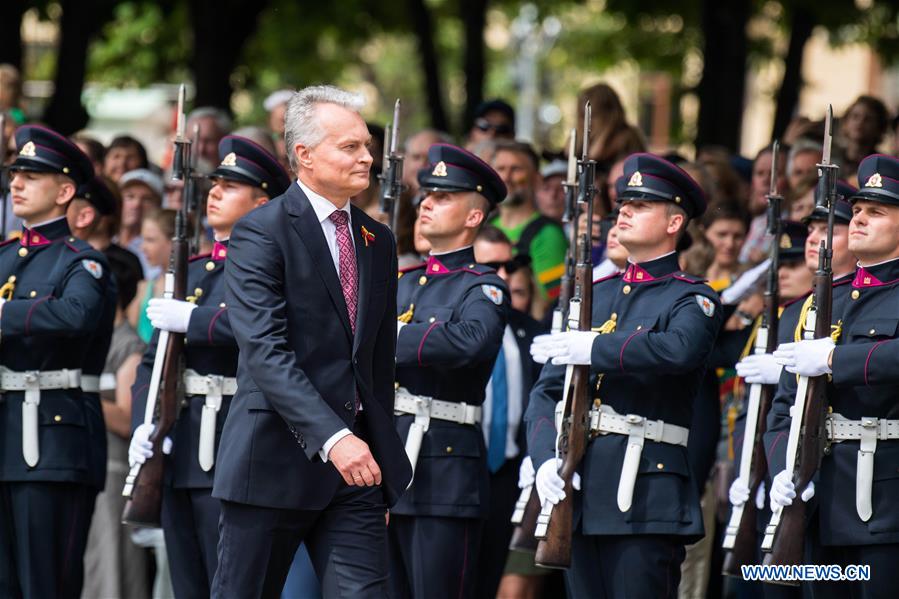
<point>339,217</point>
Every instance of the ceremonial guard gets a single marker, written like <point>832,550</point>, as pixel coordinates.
<point>639,505</point>
<point>51,306</point>
<point>452,314</point>
<point>247,177</point>
<point>856,521</point>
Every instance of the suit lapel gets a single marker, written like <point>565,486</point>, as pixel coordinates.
<point>306,224</point>
<point>363,268</point>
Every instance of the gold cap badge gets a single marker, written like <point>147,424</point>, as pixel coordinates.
<point>28,150</point>
<point>636,180</point>
<point>785,242</point>
<point>439,169</point>
<point>229,160</point>
<point>874,180</point>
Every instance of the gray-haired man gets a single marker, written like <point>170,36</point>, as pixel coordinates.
<point>309,451</point>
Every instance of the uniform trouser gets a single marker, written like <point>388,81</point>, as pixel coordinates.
<point>43,533</point>
<point>347,543</point>
<point>433,556</point>
<point>883,560</point>
<point>609,567</point>
<point>190,520</point>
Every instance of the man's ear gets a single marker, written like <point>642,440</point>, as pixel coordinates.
<point>303,155</point>
<point>675,223</point>
<point>66,192</point>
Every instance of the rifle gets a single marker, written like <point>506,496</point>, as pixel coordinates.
<point>555,523</point>
<point>527,508</point>
<point>740,536</point>
<point>391,176</point>
<point>4,183</point>
<point>143,485</point>
<point>785,533</point>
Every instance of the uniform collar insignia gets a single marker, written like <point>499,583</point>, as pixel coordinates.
<point>636,274</point>
<point>32,238</point>
<point>864,278</point>
<point>219,251</point>
<point>435,267</point>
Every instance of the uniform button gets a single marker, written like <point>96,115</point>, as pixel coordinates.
<point>57,418</point>
<point>449,449</point>
<point>660,466</point>
<point>422,280</point>
<point>432,319</point>
<point>639,326</point>
<point>23,252</point>
<point>871,332</point>
<point>210,265</point>
<point>854,295</point>
<point>348,405</point>
<point>356,361</point>
<point>222,305</point>
<point>198,292</point>
<point>471,266</point>
<point>33,293</point>
<point>626,289</point>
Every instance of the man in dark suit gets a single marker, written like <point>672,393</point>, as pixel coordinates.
<point>309,452</point>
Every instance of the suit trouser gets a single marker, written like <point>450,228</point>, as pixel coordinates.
<point>190,521</point>
<point>43,534</point>
<point>347,543</point>
<point>637,566</point>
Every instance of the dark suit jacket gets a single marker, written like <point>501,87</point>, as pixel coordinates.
<point>300,366</point>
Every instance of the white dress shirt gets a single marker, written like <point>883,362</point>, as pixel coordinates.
<point>323,208</point>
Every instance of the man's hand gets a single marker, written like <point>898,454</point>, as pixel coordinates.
<point>170,314</point>
<point>570,347</point>
<point>354,462</point>
<point>806,358</point>
<point>759,368</point>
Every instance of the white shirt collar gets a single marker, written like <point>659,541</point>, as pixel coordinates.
<point>323,206</point>
<point>464,247</point>
<point>867,266</point>
<point>46,222</point>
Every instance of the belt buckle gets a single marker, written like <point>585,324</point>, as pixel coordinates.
<point>214,384</point>
<point>422,406</point>
<point>32,379</point>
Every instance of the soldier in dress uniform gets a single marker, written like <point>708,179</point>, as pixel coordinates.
<point>247,177</point>
<point>51,306</point>
<point>856,521</point>
<point>639,506</point>
<point>450,329</point>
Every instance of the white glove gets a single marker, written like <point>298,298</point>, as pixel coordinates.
<point>744,284</point>
<point>141,449</point>
<point>806,358</point>
<point>783,491</point>
<point>550,486</point>
<point>569,347</point>
<point>526,473</point>
<point>739,493</point>
<point>170,314</point>
<point>759,368</point>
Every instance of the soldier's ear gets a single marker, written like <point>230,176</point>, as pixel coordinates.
<point>66,191</point>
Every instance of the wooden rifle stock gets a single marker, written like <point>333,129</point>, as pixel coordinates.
<point>554,549</point>
<point>145,505</point>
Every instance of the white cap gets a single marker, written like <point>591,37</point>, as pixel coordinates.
<point>556,167</point>
<point>274,99</point>
<point>145,176</point>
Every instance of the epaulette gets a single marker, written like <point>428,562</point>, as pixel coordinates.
<point>688,278</point>
<point>607,277</point>
<point>75,244</point>
<point>196,257</point>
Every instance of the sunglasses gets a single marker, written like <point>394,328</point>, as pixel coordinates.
<point>516,263</point>
<point>485,125</point>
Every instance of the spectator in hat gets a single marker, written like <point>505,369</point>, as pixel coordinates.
<point>550,192</point>
<point>493,119</point>
<point>141,191</point>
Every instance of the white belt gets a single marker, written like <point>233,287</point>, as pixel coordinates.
<point>90,383</point>
<point>424,408</point>
<point>605,420</point>
<point>213,387</point>
<point>867,431</point>
<point>32,382</point>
